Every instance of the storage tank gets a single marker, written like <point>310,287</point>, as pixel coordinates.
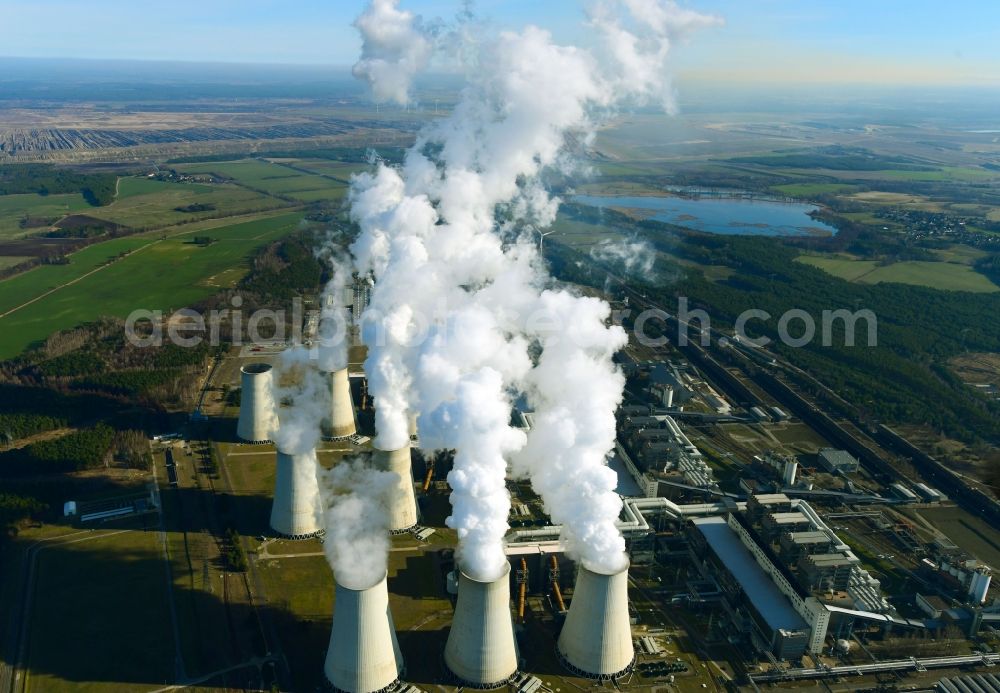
<point>257,414</point>
<point>363,655</point>
<point>403,501</point>
<point>480,651</point>
<point>341,422</point>
<point>596,639</point>
<point>295,510</point>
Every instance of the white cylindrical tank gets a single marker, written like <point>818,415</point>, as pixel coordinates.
<point>403,501</point>
<point>596,640</point>
<point>295,510</point>
<point>789,473</point>
<point>363,656</point>
<point>668,396</point>
<point>341,423</point>
<point>257,415</point>
<point>480,650</point>
<point>979,585</point>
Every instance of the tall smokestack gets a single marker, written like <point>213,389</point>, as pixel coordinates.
<point>257,415</point>
<point>295,511</point>
<point>402,501</point>
<point>596,640</point>
<point>341,422</point>
<point>363,656</point>
<point>480,650</point>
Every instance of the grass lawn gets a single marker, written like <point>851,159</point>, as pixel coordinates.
<point>947,276</point>
<point>100,620</point>
<point>164,274</point>
<point>14,207</point>
<point>11,260</point>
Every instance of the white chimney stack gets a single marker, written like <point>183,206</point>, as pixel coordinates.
<point>403,500</point>
<point>257,413</point>
<point>341,422</point>
<point>596,639</point>
<point>363,656</point>
<point>295,510</point>
<point>481,651</point>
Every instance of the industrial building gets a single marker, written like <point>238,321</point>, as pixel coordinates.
<point>753,600</point>
<point>596,639</point>
<point>341,422</point>
<point>403,501</point>
<point>837,461</point>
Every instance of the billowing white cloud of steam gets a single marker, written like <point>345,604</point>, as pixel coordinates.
<point>357,531</point>
<point>301,399</point>
<point>331,343</point>
<point>460,304</point>
<point>636,257</point>
<point>395,48</point>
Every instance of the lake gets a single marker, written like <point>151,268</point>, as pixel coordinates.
<point>723,215</point>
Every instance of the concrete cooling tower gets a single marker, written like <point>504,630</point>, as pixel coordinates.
<point>403,501</point>
<point>480,650</point>
<point>363,656</point>
<point>257,416</point>
<point>596,640</point>
<point>341,422</point>
<point>295,511</point>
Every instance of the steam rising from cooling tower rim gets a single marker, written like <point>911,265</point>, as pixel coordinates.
<point>357,530</point>
<point>429,233</point>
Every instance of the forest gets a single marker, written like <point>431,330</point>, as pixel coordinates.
<point>41,179</point>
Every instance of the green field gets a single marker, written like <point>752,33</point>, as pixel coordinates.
<point>947,276</point>
<point>11,260</point>
<point>151,204</point>
<point>100,620</point>
<point>277,179</point>
<point>14,207</point>
<point>132,186</point>
<point>809,189</point>
<point>164,274</point>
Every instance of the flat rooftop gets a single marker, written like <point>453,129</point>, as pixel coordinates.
<point>757,585</point>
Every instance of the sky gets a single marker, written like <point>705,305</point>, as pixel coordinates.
<point>890,41</point>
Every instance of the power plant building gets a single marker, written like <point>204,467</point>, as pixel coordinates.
<point>837,461</point>
<point>341,422</point>
<point>759,595</point>
<point>403,500</point>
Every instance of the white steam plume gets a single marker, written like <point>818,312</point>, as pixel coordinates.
<point>459,303</point>
<point>636,257</point>
<point>395,48</point>
<point>355,500</point>
<point>331,347</point>
<point>301,399</point>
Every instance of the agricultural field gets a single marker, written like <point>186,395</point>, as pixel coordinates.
<point>812,189</point>
<point>160,274</point>
<point>151,204</point>
<point>947,276</point>
<point>97,609</point>
<point>13,208</point>
<point>274,179</point>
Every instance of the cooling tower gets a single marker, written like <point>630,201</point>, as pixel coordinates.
<point>257,417</point>
<point>403,501</point>
<point>363,656</point>
<point>295,511</point>
<point>341,422</point>
<point>596,640</point>
<point>480,650</point>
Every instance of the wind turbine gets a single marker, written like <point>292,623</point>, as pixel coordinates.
<point>541,241</point>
